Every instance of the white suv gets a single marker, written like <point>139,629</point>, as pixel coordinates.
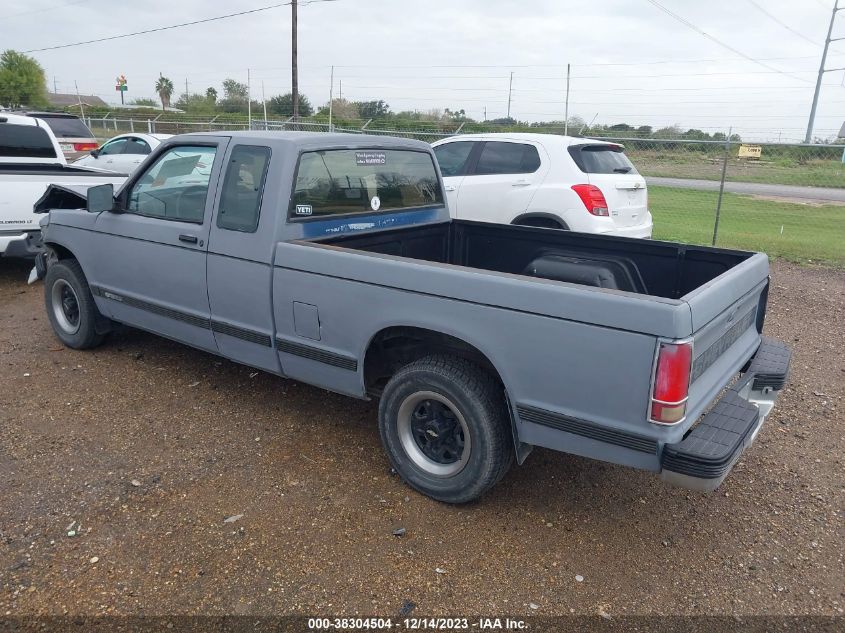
<point>545,180</point>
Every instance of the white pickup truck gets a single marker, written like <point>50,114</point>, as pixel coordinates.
<point>30,161</point>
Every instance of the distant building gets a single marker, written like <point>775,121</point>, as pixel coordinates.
<point>59,100</point>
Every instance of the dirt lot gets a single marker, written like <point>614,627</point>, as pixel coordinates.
<point>150,446</point>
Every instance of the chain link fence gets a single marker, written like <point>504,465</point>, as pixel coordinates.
<point>787,200</point>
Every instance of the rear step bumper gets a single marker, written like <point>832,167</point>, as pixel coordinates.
<point>703,459</point>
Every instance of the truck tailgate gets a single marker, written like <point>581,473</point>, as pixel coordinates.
<point>726,328</point>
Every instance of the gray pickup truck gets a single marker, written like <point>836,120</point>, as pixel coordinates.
<point>331,259</point>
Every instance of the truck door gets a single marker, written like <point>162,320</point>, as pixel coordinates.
<point>240,252</point>
<point>151,259</point>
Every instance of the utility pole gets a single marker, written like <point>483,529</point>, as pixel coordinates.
<point>808,138</point>
<point>264,103</point>
<point>294,80</point>
<point>248,101</point>
<point>55,90</point>
<point>186,91</point>
<point>566,108</point>
<point>331,98</point>
<point>485,114</point>
<point>340,90</point>
<point>79,99</point>
<point>510,88</point>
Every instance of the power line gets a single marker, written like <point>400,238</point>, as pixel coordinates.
<point>174,26</point>
<point>783,24</point>
<point>700,31</point>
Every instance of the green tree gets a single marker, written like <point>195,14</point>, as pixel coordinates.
<point>211,94</point>
<point>235,91</point>
<point>341,109</point>
<point>164,88</point>
<point>282,105</point>
<point>372,109</point>
<point>22,81</point>
<point>195,104</point>
<point>144,101</point>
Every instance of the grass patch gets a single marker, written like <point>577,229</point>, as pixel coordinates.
<point>812,169</point>
<point>810,233</point>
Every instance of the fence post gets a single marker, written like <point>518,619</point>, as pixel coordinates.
<point>722,186</point>
<point>149,126</point>
<point>131,125</point>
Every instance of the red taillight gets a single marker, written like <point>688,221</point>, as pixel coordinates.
<point>593,199</point>
<point>84,147</point>
<point>671,383</point>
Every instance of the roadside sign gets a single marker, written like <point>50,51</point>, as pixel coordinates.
<point>750,151</point>
<point>120,86</point>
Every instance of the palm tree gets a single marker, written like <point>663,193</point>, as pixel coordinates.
<point>164,88</point>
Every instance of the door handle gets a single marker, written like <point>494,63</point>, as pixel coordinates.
<point>449,188</point>
<point>191,239</point>
<point>521,183</point>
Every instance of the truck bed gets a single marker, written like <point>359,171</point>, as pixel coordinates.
<point>657,269</point>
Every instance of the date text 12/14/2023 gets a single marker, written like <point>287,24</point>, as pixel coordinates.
<point>417,624</point>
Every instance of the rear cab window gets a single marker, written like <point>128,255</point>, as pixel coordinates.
<point>601,159</point>
<point>359,181</point>
<point>25,141</point>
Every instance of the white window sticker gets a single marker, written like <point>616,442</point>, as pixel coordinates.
<point>303,209</point>
<point>370,158</point>
<point>375,203</point>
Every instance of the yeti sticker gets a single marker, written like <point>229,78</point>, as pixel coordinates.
<point>375,203</point>
<point>303,209</point>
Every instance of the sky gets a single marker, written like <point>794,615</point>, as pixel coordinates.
<point>630,61</point>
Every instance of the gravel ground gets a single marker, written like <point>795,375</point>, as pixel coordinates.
<point>143,448</point>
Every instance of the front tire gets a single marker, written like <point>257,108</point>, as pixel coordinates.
<point>70,305</point>
<point>444,425</point>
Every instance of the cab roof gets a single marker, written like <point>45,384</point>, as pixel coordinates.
<point>320,140</point>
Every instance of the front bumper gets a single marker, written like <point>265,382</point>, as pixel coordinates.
<point>25,244</point>
<point>708,452</point>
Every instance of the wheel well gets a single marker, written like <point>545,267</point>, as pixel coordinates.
<point>544,221</point>
<point>395,347</point>
<point>60,251</point>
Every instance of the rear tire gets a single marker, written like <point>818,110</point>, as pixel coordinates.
<point>70,305</point>
<point>445,427</point>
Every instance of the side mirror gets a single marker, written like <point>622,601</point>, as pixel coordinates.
<point>100,198</point>
<point>95,152</point>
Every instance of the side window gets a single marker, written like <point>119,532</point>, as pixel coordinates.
<point>243,185</point>
<point>113,147</point>
<point>452,157</point>
<point>175,186</point>
<point>507,158</point>
<point>136,146</point>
